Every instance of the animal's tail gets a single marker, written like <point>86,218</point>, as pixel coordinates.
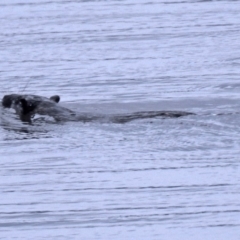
<point>150,114</point>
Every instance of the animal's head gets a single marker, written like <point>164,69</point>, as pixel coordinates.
<point>26,104</point>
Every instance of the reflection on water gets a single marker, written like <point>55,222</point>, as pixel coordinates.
<point>177,178</point>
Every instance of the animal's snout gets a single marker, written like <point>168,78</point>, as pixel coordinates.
<point>7,101</point>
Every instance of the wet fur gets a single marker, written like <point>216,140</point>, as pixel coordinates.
<point>29,105</point>
<point>26,106</point>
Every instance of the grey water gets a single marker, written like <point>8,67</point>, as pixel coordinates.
<point>147,179</point>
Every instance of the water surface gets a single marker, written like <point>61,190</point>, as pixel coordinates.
<point>147,179</point>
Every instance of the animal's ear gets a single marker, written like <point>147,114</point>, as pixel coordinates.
<point>55,98</point>
<point>27,107</point>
